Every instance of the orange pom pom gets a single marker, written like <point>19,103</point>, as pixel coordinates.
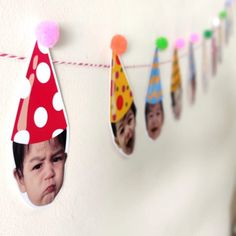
<point>118,44</point>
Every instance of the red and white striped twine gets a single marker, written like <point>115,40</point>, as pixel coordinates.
<point>83,64</point>
<point>6,55</point>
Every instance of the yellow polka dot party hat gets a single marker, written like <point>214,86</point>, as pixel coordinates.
<point>121,97</point>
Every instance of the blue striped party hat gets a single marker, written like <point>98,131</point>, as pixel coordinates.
<point>154,92</point>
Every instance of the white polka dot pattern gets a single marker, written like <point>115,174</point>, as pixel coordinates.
<point>57,132</point>
<point>43,49</point>
<point>40,117</point>
<point>22,136</point>
<point>43,72</point>
<point>25,88</point>
<point>57,102</point>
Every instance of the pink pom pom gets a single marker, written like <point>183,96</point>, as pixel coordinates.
<point>47,33</point>
<point>179,43</point>
<point>194,38</point>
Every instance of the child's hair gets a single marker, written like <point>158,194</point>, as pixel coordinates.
<point>173,99</point>
<point>113,125</point>
<point>19,151</point>
<point>193,82</point>
<point>147,109</point>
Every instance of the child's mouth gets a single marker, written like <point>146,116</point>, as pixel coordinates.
<point>50,189</point>
<point>130,143</point>
<point>153,130</point>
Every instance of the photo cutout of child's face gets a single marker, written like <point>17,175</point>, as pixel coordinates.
<point>154,116</point>
<point>125,131</point>
<point>233,213</point>
<point>176,98</point>
<point>42,172</point>
<point>192,90</point>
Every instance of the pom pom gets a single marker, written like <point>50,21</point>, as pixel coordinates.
<point>162,43</point>
<point>207,34</point>
<point>119,44</point>
<point>47,33</point>
<point>223,15</point>
<point>179,43</point>
<point>194,38</point>
<point>228,2</point>
<point>216,22</point>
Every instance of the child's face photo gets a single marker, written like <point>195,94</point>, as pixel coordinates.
<point>43,171</point>
<point>154,119</point>
<point>177,103</point>
<point>125,132</point>
<point>192,90</point>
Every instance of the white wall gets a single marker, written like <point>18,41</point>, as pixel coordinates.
<point>179,185</point>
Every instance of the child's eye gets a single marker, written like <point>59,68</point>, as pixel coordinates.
<point>57,158</point>
<point>130,120</point>
<point>122,131</point>
<point>150,115</point>
<point>38,166</point>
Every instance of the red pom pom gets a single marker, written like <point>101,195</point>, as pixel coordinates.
<point>119,44</point>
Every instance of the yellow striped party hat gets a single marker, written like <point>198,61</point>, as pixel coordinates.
<point>176,76</point>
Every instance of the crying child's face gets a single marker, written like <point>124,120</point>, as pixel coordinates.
<point>125,128</point>
<point>177,108</point>
<point>43,171</point>
<point>154,120</point>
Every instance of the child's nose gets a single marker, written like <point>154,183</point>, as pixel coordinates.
<point>49,170</point>
<point>128,131</point>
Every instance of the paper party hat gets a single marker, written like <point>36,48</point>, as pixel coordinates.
<point>121,95</point>
<point>192,67</point>
<point>176,77</point>
<point>154,92</point>
<point>41,115</point>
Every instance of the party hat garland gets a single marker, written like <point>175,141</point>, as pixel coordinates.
<point>214,54</point>
<point>122,108</point>
<point>225,26</point>
<point>41,114</point>
<point>227,29</point>
<point>154,92</point>
<point>192,74</point>
<point>229,10</point>
<point>34,114</point>
<point>176,86</point>
<point>154,112</point>
<point>121,95</point>
<point>220,43</point>
<point>205,59</point>
<point>176,76</point>
<point>192,66</point>
<point>228,15</point>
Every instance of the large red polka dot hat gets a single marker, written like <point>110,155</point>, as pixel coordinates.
<point>41,114</point>
<point>121,97</point>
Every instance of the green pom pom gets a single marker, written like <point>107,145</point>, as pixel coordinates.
<point>162,43</point>
<point>207,34</point>
<point>223,15</point>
